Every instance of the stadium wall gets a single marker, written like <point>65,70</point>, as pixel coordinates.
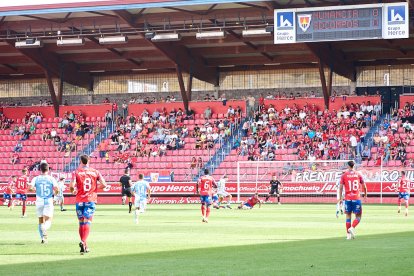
<point>78,99</point>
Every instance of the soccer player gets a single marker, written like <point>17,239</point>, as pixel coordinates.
<point>251,202</point>
<point>85,186</point>
<point>274,189</point>
<point>142,191</point>
<point>126,184</point>
<point>21,189</point>
<point>222,193</point>
<point>206,184</point>
<point>352,181</point>
<point>45,186</point>
<point>339,202</point>
<point>403,189</point>
<point>59,198</point>
<point>8,194</point>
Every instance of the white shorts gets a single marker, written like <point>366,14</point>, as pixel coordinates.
<point>44,207</point>
<point>58,198</point>
<point>222,194</point>
<point>140,202</point>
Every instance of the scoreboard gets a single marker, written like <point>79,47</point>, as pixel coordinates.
<point>357,22</point>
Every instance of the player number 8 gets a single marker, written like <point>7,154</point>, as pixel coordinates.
<point>87,184</point>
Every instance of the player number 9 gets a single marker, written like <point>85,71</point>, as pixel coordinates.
<point>87,184</point>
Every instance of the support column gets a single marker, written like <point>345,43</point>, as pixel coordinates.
<point>324,87</point>
<point>182,87</point>
<point>60,92</point>
<point>189,87</point>
<point>52,92</point>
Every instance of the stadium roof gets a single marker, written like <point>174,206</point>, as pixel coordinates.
<point>203,59</point>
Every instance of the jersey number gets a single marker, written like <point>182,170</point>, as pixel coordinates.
<point>45,190</point>
<point>87,184</point>
<point>353,185</point>
<point>206,185</point>
<point>20,184</point>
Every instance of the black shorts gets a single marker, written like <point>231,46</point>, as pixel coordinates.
<point>126,192</point>
<point>274,191</point>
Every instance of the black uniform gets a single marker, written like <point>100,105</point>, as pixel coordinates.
<point>274,187</point>
<point>126,187</point>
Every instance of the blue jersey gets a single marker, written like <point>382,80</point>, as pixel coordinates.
<point>44,185</point>
<point>140,189</point>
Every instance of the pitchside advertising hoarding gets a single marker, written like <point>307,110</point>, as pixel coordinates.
<point>318,185</point>
<point>357,22</point>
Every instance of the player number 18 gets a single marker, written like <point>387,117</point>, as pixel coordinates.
<point>353,185</point>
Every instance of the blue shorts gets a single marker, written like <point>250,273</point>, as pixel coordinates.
<point>21,196</point>
<point>85,209</point>
<point>205,199</point>
<point>405,196</point>
<point>7,196</point>
<point>247,205</point>
<point>215,198</point>
<point>353,206</point>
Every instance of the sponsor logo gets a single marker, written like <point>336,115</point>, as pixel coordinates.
<point>284,21</point>
<point>304,21</point>
<point>396,15</point>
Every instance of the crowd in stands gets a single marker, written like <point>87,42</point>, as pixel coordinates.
<point>313,133</point>
<point>394,137</point>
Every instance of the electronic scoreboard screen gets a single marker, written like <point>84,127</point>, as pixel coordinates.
<point>356,22</point>
<point>339,25</point>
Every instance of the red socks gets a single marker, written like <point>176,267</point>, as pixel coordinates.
<point>355,222</point>
<point>203,210</point>
<point>399,202</point>
<point>208,212</point>
<point>84,228</point>
<point>24,207</point>
<point>9,204</point>
<point>348,225</point>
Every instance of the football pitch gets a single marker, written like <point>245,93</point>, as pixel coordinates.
<point>171,240</point>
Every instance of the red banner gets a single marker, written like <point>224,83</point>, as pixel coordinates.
<point>188,189</point>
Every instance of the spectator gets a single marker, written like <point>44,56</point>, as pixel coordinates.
<point>207,113</point>
<point>18,147</point>
<point>366,154</point>
<point>15,159</point>
<point>250,105</point>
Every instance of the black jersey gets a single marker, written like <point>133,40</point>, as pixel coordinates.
<point>275,184</point>
<point>125,179</point>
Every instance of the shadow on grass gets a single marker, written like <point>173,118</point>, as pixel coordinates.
<point>385,254</point>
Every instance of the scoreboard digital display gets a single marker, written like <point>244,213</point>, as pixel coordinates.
<point>355,22</point>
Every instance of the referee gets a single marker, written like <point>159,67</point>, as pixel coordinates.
<point>274,188</point>
<point>126,184</point>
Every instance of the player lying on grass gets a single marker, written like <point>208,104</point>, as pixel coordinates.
<point>8,193</point>
<point>403,189</point>
<point>251,202</point>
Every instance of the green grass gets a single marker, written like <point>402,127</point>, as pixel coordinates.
<point>171,240</point>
